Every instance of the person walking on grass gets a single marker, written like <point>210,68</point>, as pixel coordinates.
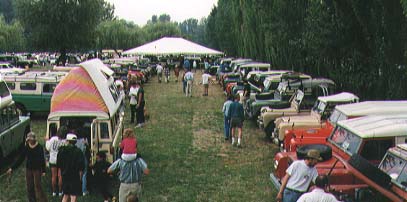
<point>140,106</point>
<point>225,110</point>
<point>176,72</point>
<point>236,115</point>
<point>205,82</point>
<point>130,177</point>
<point>299,177</point>
<point>189,78</point>
<point>52,145</point>
<point>194,65</point>
<point>159,69</point>
<point>167,73</point>
<point>82,144</point>
<point>133,100</point>
<point>319,194</point>
<point>33,153</point>
<point>71,162</point>
<point>101,177</point>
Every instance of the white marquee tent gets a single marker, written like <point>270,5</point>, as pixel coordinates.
<point>171,46</point>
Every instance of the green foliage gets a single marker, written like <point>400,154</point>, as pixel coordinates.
<point>11,36</point>
<point>62,25</point>
<point>161,29</point>
<point>119,34</point>
<point>7,10</point>
<point>360,44</point>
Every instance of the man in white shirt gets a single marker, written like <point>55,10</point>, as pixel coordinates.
<point>194,65</point>
<point>159,69</point>
<point>205,82</point>
<point>299,175</point>
<point>133,101</point>
<point>189,78</point>
<point>318,194</point>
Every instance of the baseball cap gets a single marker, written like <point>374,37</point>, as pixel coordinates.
<point>71,137</point>
<point>314,154</point>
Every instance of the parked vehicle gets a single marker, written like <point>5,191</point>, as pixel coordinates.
<point>7,68</point>
<point>280,99</point>
<point>32,91</point>
<point>296,137</point>
<point>321,110</point>
<point>13,128</point>
<point>87,100</point>
<point>368,137</point>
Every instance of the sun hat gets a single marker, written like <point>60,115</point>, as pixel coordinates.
<point>31,136</point>
<point>313,154</point>
<point>71,137</point>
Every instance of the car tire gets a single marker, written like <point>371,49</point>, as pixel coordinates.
<point>370,171</point>
<point>269,130</point>
<point>325,151</point>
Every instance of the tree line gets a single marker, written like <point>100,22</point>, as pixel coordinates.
<point>360,44</point>
<point>81,25</point>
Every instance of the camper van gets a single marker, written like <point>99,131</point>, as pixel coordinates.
<point>88,103</point>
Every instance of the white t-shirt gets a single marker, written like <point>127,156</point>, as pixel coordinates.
<point>205,78</point>
<point>301,175</point>
<point>133,93</point>
<point>52,145</point>
<point>159,68</point>
<point>317,195</point>
<point>194,64</point>
<point>189,76</point>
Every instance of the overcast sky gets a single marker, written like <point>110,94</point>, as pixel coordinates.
<point>139,11</point>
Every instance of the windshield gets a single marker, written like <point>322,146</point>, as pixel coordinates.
<point>319,107</point>
<point>337,116</point>
<point>395,167</point>
<point>345,140</point>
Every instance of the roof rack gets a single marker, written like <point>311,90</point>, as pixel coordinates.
<point>36,77</point>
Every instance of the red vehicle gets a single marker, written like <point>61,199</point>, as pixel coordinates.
<point>352,140</point>
<point>317,135</point>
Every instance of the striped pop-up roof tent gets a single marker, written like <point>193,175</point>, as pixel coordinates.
<point>85,90</point>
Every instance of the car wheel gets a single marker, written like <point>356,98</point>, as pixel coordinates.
<point>370,171</point>
<point>269,130</point>
<point>325,151</point>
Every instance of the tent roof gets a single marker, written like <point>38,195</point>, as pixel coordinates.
<point>171,45</point>
<point>87,88</point>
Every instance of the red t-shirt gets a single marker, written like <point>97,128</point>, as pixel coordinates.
<point>129,145</point>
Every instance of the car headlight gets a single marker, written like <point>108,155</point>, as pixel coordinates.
<point>275,164</point>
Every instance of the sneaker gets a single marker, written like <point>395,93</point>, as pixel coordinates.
<point>226,138</point>
<point>139,125</point>
<point>54,194</point>
<point>85,193</point>
<point>61,193</point>
<point>239,145</point>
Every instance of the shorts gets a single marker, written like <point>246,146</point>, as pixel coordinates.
<point>206,85</point>
<point>72,186</point>
<point>236,122</point>
<point>52,165</point>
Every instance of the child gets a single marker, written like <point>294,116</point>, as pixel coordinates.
<point>129,145</point>
<point>101,178</point>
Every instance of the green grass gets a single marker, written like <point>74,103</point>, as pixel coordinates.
<point>184,148</point>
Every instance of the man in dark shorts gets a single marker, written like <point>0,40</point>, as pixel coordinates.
<point>236,114</point>
<point>71,162</point>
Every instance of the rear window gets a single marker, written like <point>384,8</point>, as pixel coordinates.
<point>48,88</point>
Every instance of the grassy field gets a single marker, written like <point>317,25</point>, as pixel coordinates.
<point>183,145</point>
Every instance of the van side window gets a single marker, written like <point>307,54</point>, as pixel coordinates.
<point>28,86</point>
<point>52,129</point>
<point>104,131</point>
<point>48,88</point>
<point>376,149</point>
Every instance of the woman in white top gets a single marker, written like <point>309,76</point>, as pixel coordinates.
<point>52,145</point>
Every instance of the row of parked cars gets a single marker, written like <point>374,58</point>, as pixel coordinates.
<point>363,144</point>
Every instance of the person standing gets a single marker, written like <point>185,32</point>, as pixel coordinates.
<point>140,106</point>
<point>205,82</point>
<point>236,115</point>
<point>299,176</point>
<point>159,69</point>
<point>189,78</point>
<point>246,93</point>
<point>101,178</point>
<point>71,162</point>
<point>318,194</point>
<point>82,144</point>
<point>133,100</point>
<point>187,65</point>
<point>194,65</point>
<point>34,168</point>
<point>167,73</point>
<point>176,72</point>
<point>53,145</point>
<point>130,176</point>
<point>225,110</point>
